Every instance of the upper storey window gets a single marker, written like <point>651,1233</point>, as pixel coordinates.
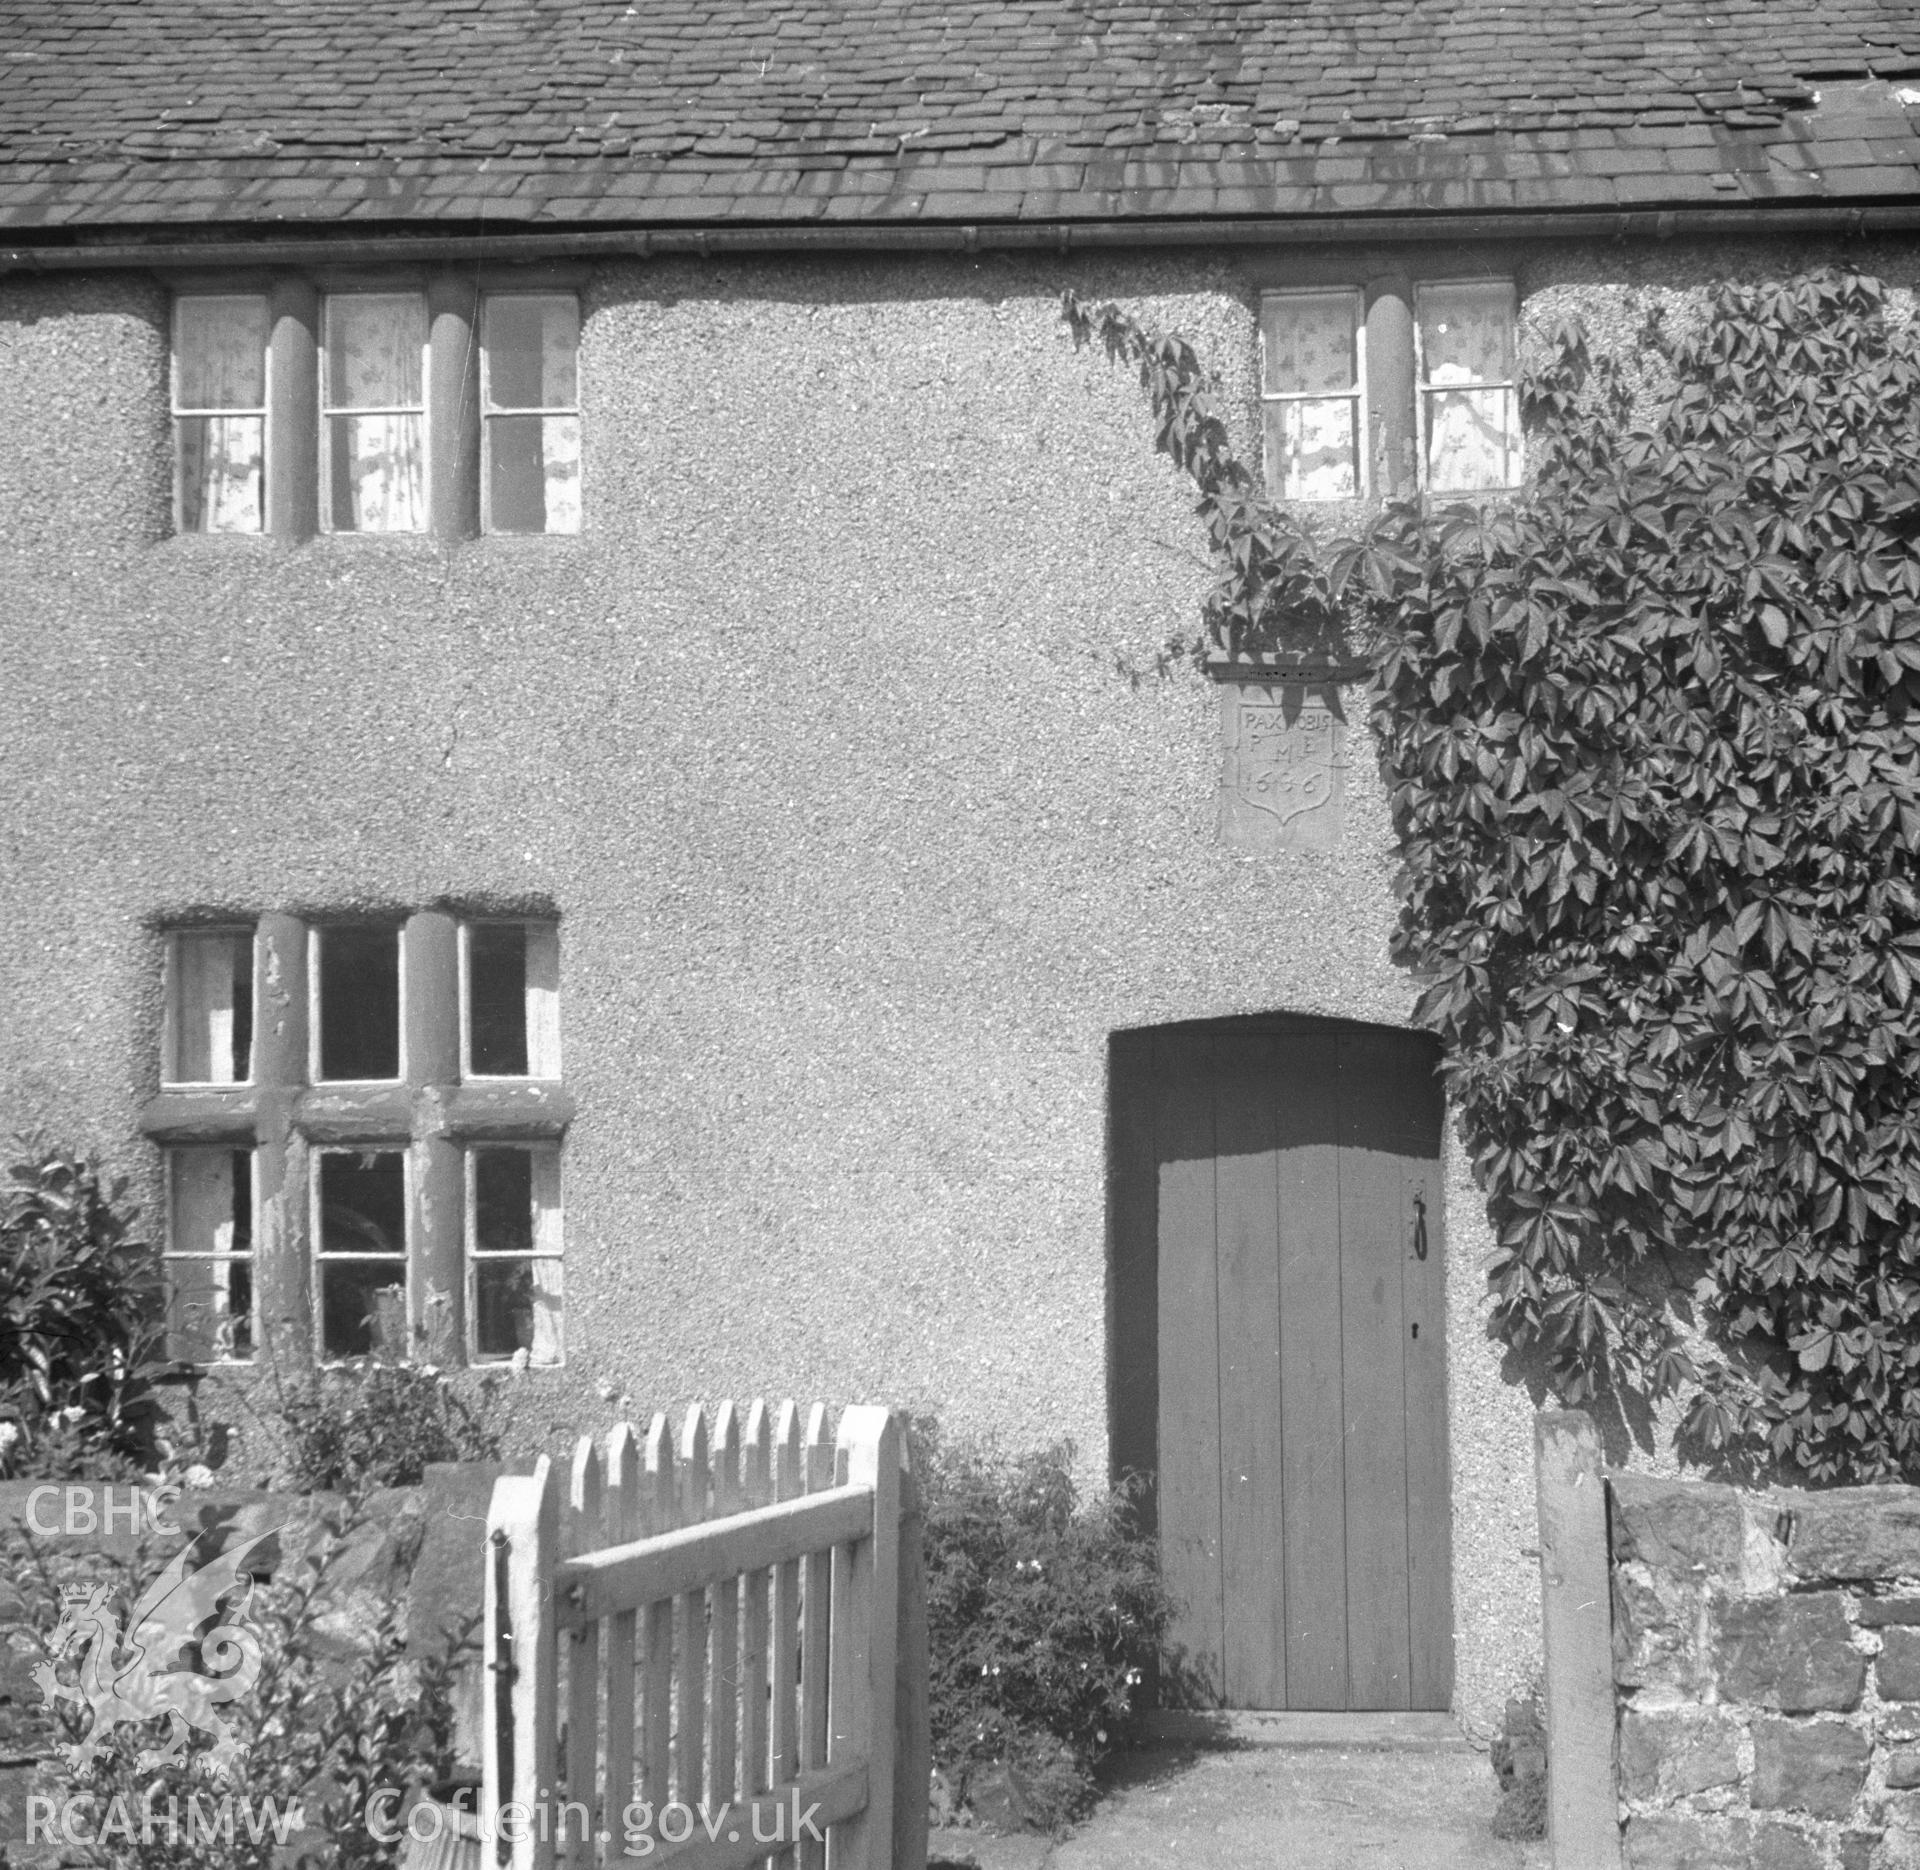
<point>373,430</point>
<point>1398,388</point>
<point>409,405</point>
<point>1469,414</point>
<point>531,342</point>
<point>1313,394</point>
<point>220,412</point>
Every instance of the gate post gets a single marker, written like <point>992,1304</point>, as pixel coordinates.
<point>861,1681</point>
<point>520,1770</point>
<point>1583,1807</point>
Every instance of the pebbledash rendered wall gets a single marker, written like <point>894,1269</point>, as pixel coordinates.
<point>836,743</point>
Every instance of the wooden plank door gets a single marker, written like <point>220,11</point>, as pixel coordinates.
<point>1278,1359</point>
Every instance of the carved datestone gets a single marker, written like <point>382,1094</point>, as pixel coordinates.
<point>1283,781</point>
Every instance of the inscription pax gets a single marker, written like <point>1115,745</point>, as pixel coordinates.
<point>1283,778</point>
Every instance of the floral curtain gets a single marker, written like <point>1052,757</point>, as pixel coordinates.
<point>1309,358</point>
<point>376,428</point>
<point>219,399</point>
<point>1466,350</point>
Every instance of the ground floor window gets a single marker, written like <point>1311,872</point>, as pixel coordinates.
<point>372,1167</point>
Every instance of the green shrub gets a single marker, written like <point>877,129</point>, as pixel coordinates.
<point>318,1732</point>
<point>1044,1613</point>
<point>379,1425</point>
<point>79,1323</point>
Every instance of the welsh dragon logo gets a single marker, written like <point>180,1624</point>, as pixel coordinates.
<point>135,1673</point>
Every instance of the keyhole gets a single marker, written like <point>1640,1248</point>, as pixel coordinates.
<point>1416,1331</point>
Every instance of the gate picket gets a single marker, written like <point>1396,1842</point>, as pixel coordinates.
<point>623,1525</point>
<point>690,1627</point>
<point>690,1648</point>
<point>585,1532</point>
<point>660,1512</point>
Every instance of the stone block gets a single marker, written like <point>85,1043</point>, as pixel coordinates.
<point>1875,1613</point>
<point>1667,1754</point>
<point>1655,1617</point>
<point>1856,1851</point>
<point>1816,1767</point>
<point>1855,1532</point>
<point>1682,1528</point>
<point>1782,1847</point>
<point>1897,1671</point>
<point>1667,1841</point>
<point>1791,1653</point>
<point>1903,1771</point>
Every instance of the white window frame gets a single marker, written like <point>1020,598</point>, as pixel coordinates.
<point>549,1238</point>
<point>173,1009</point>
<point>1362,476</point>
<point>1423,388</point>
<point>251,1258</point>
<point>329,409</point>
<point>178,411</point>
<point>317,1257</point>
<point>488,412</point>
<point>542,999</point>
<point>316,933</point>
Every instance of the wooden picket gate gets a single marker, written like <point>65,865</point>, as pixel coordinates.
<point>673,1633</point>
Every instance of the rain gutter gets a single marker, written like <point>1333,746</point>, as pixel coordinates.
<point>93,251</point>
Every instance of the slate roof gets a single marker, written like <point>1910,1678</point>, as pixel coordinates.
<point>157,114</point>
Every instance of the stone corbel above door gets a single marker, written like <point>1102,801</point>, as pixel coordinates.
<point>1283,738</point>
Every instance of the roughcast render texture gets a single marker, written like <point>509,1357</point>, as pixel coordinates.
<point>836,742</point>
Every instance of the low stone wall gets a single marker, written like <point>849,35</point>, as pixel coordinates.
<point>1766,1662</point>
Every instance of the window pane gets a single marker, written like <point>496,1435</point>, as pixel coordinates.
<point>359,982</point>
<point>363,1309</point>
<point>222,481</point>
<point>1313,449</point>
<point>220,353</point>
<point>210,1008</point>
<point>497,999</point>
<point>209,1217</point>
<point>532,343</point>
<point>374,345</point>
<point>503,1308</point>
<point>363,1211</point>
<point>533,473</point>
<point>517,1306</point>
<point>1309,342</point>
<point>503,1201</point>
<point>210,1311</point>
<point>1469,440</point>
<point>1466,334</point>
<point>377,473</point>
<point>363,1201</point>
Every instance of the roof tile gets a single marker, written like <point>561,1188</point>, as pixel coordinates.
<point>548,112</point>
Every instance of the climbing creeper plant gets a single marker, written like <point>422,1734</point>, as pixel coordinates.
<point>1649,728</point>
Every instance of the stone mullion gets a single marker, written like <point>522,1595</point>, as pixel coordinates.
<point>453,407</point>
<point>282,1158</point>
<point>1391,388</point>
<point>293,409</point>
<point>430,960</point>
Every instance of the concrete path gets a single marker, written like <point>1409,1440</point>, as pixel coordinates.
<point>1249,1806</point>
